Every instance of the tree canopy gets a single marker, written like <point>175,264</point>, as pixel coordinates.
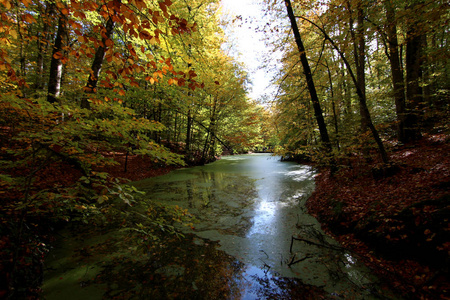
<point>82,82</point>
<point>380,71</point>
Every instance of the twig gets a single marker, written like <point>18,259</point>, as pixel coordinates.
<point>264,253</point>
<point>292,262</point>
<point>336,248</point>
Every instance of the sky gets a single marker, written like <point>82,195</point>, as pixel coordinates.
<point>249,43</point>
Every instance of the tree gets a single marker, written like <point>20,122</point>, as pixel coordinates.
<point>396,71</point>
<point>309,79</point>
<point>414,53</point>
<point>56,65</point>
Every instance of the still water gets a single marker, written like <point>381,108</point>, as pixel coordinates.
<point>253,205</point>
<point>247,209</point>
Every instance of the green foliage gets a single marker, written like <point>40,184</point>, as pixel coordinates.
<point>51,163</point>
<point>147,99</point>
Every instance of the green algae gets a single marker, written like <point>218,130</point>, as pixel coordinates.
<point>246,209</point>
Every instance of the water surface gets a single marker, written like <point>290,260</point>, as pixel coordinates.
<point>247,209</point>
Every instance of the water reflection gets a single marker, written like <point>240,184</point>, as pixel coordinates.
<point>248,209</point>
<point>252,206</point>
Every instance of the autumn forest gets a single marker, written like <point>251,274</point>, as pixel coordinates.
<point>95,94</point>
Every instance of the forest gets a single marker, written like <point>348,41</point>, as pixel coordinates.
<point>97,93</point>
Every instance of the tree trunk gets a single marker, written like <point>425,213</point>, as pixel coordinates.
<point>361,96</point>
<point>96,68</point>
<point>309,79</point>
<point>333,105</point>
<point>396,70</point>
<point>208,151</point>
<point>42,45</point>
<point>360,71</point>
<point>359,56</point>
<point>188,136</point>
<point>56,66</point>
<point>413,75</point>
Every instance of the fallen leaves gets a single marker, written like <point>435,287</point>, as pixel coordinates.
<point>405,212</point>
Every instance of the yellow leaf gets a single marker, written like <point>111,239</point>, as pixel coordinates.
<point>13,33</point>
<point>7,4</point>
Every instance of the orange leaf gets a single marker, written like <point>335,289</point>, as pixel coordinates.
<point>57,55</point>
<point>109,43</point>
<point>29,18</point>
<point>163,6</point>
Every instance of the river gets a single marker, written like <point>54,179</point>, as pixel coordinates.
<point>247,209</point>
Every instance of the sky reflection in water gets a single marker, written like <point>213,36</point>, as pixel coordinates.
<point>253,205</point>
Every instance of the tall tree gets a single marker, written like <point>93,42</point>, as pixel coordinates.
<point>359,52</point>
<point>98,59</point>
<point>396,71</point>
<point>414,50</point>
<point>42,42</point>
<point>56,65</point>
<point>309,79</point>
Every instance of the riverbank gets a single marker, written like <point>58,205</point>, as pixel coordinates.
<point>397,222</point>
<point>246,206</point>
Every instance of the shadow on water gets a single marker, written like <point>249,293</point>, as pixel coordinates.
<point>252,239</point>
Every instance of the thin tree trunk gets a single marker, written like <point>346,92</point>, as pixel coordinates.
<point>188,136</point>
<point>359,56</point>
<point>309,79</point>
<point>360,71</point>
<point>361,96</point>
<point>209,151</point>
<point>333,105</point>
<point>96,68</point>
<point>413,75</point>
<point>397,73</point>
<point>42,45</point>
<point>56,66</point>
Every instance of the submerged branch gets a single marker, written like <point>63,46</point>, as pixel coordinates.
<point>324,245</point>
<point>292,262</point>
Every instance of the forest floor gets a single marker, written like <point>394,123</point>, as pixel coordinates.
<point>395,220</point>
